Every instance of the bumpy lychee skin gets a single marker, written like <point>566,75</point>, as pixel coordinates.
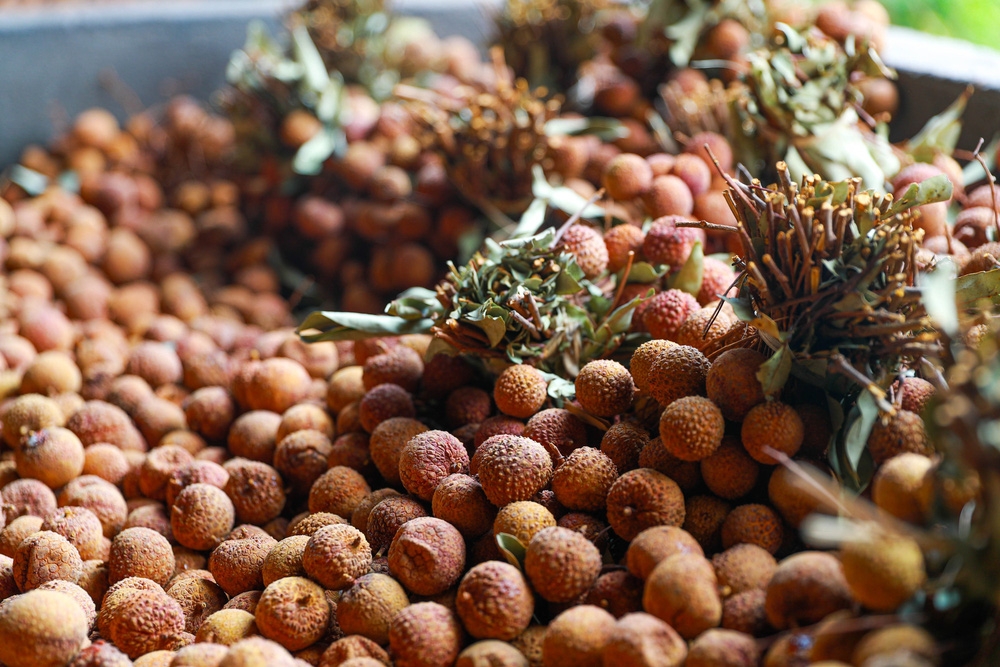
<point>616,591</point>
<point>717,278</point>
<point>666,243</point>
<point>915,393</point>
<point>561,564</point>
<point>772,424</point>
<point>140,552</point>
<point>228,626</point>
<point>743,567</point>
<point>237,563</point>
<point>53,455</point>
<point>294,612</point>
<point>703,518</point>
<point>512,468</point>
<point>604,388</point>
<point>338,491</point>
<point>900,434</point>
<point>384,402</point>
<point>729,472</point>
<point>555,428</point>
<point>691,428</point>
<point>703,327</point>
<point>586,245</point>
<point>664,314</point>
<point>884,571</point>
<point>201,516</point>
<point>583,480</point>
<point>40,629</point>
<point>42,557</point>
<point>520,391</point>
<point>386,518</point>
<point>578,636</point>
<point>654,545</point>
<point>627,176</point>
<point>641,499</point>
<point>425,634</point>
<point>459,499</point>
<point>146,621</point>
<point>28,413</point>
<point>387,442</point>
<point>428,458</point>
<point>682,591</point>
<point>744,612</point>
<point>619,241</point>
<point>336,555</point>
<point>368,607</point>
<point>494,601</point>
<point>637,637</point>
<point>523,519</point>
<point>400,365</point>
<point>732,382</point>
<point>256,489</point>
<point>427,555</point>
<point>667,371</point>
<point>805,588</point>
<point>199,598</point>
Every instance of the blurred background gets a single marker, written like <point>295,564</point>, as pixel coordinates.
<point>974,20</point>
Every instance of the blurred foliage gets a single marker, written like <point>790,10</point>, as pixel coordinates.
<point>974,20</point>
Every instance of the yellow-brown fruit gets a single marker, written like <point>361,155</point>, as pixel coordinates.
<point>773,424</point>
<point>604,388</point>
<point>488,652</point>
<point>743,567</point>
<point>788,496</point>
<point>668,195</point>
<point>732,382</point>
<point>512,468</point>
<point>140,552</point>
<point>522,519</point>
<point>682,591</point>
<point>427,555</point>
<point>28,496</point>
<point>667,371</point>
<point>641,499</point>
<point>386,518</point>
<point>156,417</point>
<point>900,434</point>
<point>237,563</point>
<point>387,442</point>
<point>336,555</point>
<point>467,406</point>
<point>361,513</point>
<point>459,499</point>
<point>520,391</point>
<point>642,640</point>
<point>53,455</point>
<point>729,472</point>
<point>145,621</point>
<point>561,564</point>
<point>253,435</point>
<point>254,651</point>
<point>301,457</point>
<point>256,489</point>
<point>158,467</point>
<point>345,387</point>
<point>294,612</point>
<point>744,612</point>
<point>723,648</point>
<point>310,523</point>
<point>381,403</point>
<point>28,413</point>
<point>368,607</point>
<point>227,626</point>
<point>400,365</point>
<point>654,545</point>
<point>16,531</point>
<point>530,643</point>
<point>753,524</point>
<point>623,443</point>
<point>704,516</point>
<point>285,559</point>
<point>338,491</point>
<point>80,527</point>
<point>583,480</point>
<point>201,516</point>
<point>197,655</point>
<point>586,245</point>
<point>198,471</point>
<point>105,461</point>
<point>42,557</point>
<point>618,592</point>
<point>619,241</point>
<point>692,330</point>
<point>209,411</point>
<point>103,654</point>
<point>425,634</point>
<point>554,429</point>
<point>577,637</point>
<point>687,474</point>
<point>886,641</point>
<point>805,588</point>
<point>305,416</point>
<point>51,373</point>
<point>427,459</point>
<point>41,629</point>
<point>494,601</point>
<point>626,176</point>
<point>691,428</point>
<point>883,571</point>
<point>898,486</point>
<point>199,598</point>
<point>150,514</point>
<point>278,384</point>
<point>298,127</point>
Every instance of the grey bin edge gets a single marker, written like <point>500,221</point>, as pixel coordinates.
<point>52,60</point>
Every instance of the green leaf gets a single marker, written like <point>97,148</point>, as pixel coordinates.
<point>644,272</point>
<point>333,325</point>
<point>532,219</point>
<point>311,155</point>
<point>934,189</point>
<point>773,373</point>
<point>316,76</point>
<point>859,424</point>
<point>973,287</point>
<point>607,129</point>
<point>512,549</point>
<point>689,278</point>
<point>742,308</point>
<point>769,328</point>
<point>31,181</point>
<point>938,294</point>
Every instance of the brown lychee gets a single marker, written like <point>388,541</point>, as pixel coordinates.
<point>387,442</point>
<point>336,555</point>
<point>201,516</point>
<point>627,176</point>
<point>586,245</point>
<point>743,567</point>
<point>427,555</point>
<point>199,598</point>
<point>523,519</point>
<point>583,480</point>
<point>723,647</point>
<point>237,563</point>
<point>256,489</point>
<point>665,312</point>
<point>753,524</point>
<point>427,459</point>
<point>805,588</point>
<point>898,486</point>
<point>682,591</point>
<point>561,564</point>
<point>643,498</point>
<point>512,468</point>
<point>384,402</point>
<point>520,391</point>
<point>81,527</point>
<point>774,425</point>
<point>604,388</point>
<point>26,414</point>
<point>44,556</point>
<point>578,637</point>
<point>294,612</point>
<point>368,607</point>
<point>667,371</point>
<point>53,455</point>
<point>41,628</point>
<point>640,639</point>
<point>459,499</point>
<point>425,634</point>
<point>553,428</point>
<point>901,433</point>
<point>140,552</point>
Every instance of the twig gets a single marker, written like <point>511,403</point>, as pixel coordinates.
<point>992,183</point>
<point>576,216</point>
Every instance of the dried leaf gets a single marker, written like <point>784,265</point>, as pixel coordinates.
<point>773,373</point>
<point>974,287</point>
<point>689,278</point>
<point>512,549</point>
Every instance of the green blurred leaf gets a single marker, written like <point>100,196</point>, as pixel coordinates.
<point>773,373</point>
<point>973,287</point>
<point>938,294</point>
<point>332,325</point>
<point>607,129</point>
